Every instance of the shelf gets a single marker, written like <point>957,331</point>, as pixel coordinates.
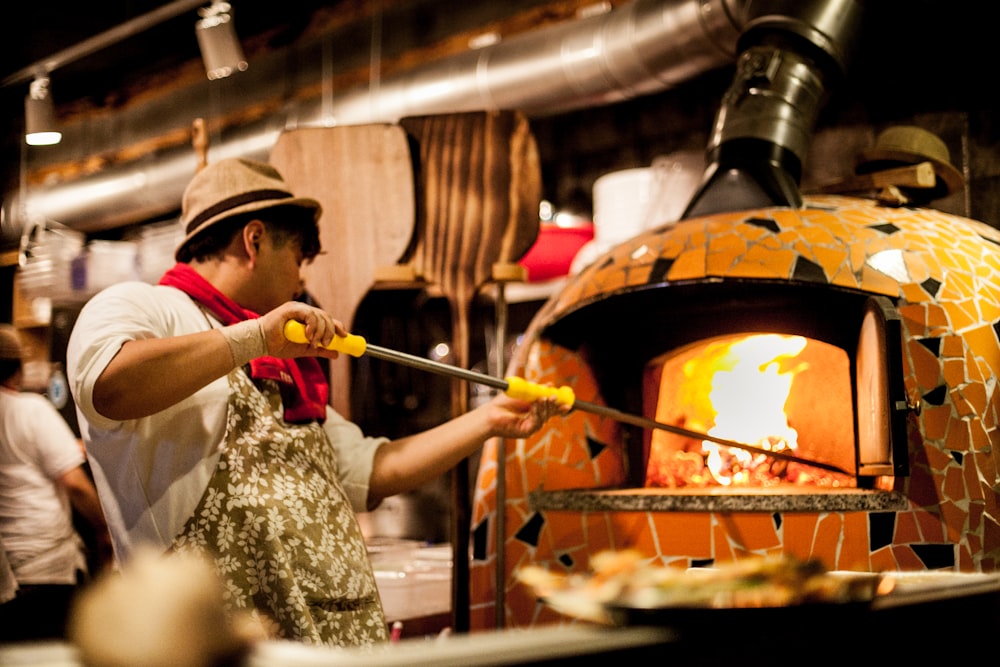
<point>719,499</point>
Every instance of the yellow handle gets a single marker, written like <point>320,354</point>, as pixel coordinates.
<point>351,344</point>
<point>529,391</point>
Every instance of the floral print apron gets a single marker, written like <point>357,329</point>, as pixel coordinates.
<point>278,525</point>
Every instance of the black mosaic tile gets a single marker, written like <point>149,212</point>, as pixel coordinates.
<point>595,447</point>
<point>881,526</point>
<point>936,396</point>
<point>480,540</point>
<point>808,271</point>
<point>935,556</point>
<point>530,531</point>
<point>766,223</point>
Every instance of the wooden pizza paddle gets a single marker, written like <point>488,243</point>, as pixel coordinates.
<point>362,175</point>
<point>478,191</point>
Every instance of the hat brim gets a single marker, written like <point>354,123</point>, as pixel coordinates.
<point>295,202</point>
<point>949,178</point>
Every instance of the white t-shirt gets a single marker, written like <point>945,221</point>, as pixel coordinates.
<point>37,447</point>
<point>152,472</point>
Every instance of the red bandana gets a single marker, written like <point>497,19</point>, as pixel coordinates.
<point>303,384</point>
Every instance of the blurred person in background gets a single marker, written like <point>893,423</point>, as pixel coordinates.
<point>43,479</point>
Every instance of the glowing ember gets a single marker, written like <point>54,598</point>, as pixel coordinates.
<point>748,392</point>
<point>734,389</point>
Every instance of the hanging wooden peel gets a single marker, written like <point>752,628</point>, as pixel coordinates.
<point>362,175</point>
<point>478,190</point>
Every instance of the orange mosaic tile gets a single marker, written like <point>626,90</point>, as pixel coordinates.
<point>913,292</point>
<point>957,439</point>
<point>689,265</point>
<point>632,531</point>
<point>826,541</point>
<point>931,528</point>
<point>722,261</point>
<point>755,532</point>
<point>903,560</point>
<point>954,371</point>
<point>942,275</point>
<point>954,484</point>
<point>877,282</point>
<point>936,317</point>
<point>935,420</point>
<point>723,550</point>
<point>976,372</point>
<point>906,528</point>
<point>976,515</point>
<point>975,394</point>
<point>983,342</point>
<point>683,532</point>
<point>924,365</point>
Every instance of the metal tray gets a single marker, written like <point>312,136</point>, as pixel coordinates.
<point>898,597</point>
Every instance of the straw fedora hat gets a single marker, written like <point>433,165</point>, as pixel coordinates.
<point>234,186</point>
<point>907,144</point>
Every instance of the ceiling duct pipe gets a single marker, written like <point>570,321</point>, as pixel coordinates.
<point>638,49</point>
<point>791,54</point>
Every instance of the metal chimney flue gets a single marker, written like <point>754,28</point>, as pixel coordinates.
<point>791,54</point>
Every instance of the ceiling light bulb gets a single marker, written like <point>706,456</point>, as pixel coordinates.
<point>40,127</point>
<point>220,48</point>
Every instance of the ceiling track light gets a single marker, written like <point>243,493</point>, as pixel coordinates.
<point>220,49</point>
<point>40,127</point>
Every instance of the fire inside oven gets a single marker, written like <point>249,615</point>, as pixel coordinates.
<point>809,378</point>
<point>784,394</point>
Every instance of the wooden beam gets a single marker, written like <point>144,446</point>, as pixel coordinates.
<point>919,175</point>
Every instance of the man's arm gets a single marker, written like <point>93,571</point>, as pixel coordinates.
<point>83,497</point>
<point>150,375</point>
<point>408,463</point>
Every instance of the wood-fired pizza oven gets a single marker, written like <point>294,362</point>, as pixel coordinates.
<point>892,317</point>
<point>855,344</point>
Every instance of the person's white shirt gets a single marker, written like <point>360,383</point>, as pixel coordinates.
<point>151,472</point>
<point>37,447</point>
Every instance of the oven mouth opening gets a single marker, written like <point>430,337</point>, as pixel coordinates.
<point>813,373</point>
<point>787,399</point>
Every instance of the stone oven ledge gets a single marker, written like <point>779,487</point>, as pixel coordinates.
<point>718,499</point>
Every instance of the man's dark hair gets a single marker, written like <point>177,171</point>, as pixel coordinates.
<point>286,223</point>
<point>8,367</point>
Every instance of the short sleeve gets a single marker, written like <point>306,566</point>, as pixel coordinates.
<point>355,457</point>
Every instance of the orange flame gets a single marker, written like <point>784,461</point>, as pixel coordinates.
<point>749,389</point>
<point>736,389</point>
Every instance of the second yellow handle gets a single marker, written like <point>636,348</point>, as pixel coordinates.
<point>530,391</point>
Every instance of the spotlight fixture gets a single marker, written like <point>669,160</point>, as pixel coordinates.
<point>220,48</point>
<point>40,127</point>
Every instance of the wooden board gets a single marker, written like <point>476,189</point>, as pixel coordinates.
<point>363,177</point>
<point>479,188</point>
<point>478,192</point>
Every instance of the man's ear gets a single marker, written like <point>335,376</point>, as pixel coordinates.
<point>252,234</point>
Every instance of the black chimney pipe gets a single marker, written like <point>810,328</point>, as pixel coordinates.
<point>791,53</point>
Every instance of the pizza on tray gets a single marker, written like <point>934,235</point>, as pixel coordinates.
<point>626,579</point>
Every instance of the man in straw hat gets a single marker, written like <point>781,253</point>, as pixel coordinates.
<point>210,432</point>
<point>42,480</point>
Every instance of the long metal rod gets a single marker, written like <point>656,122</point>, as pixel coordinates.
<point>104,40</point>
<point>500,567</point>
<point>593,408</point>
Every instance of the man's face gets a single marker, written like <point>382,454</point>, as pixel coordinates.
<point>278,274</point>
